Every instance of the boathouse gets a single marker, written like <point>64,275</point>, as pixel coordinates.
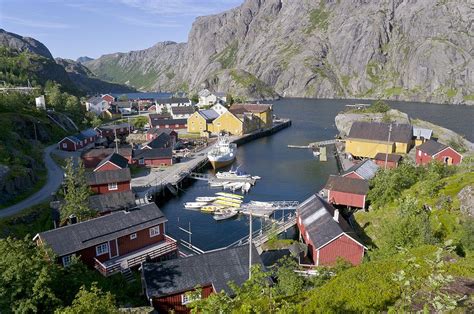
<point>364,170</point>
<point>113,242</point>
<point>263,112</point>
<point>326,234</point>
<point>347,191</point>
<point>154,157</point>
<point>367,139</point>
<point>165,284</point>
<point>392,160</point>
<point>109,181</point>
<point>111,202</point>
<point>432,150</point>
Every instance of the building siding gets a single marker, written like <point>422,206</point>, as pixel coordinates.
<point>423,158</point>
<point>230,123</point>
<point>107,166</point>
<point>390,164</point>
<point>126,245</point>
<point>152,163</point>
<point>196,123</point>
<point>361,148</point>
<point>347,199</point>
<point>174,302</point>
<point>70,145</point>
<point>104,189</point>
<point>342,247</point>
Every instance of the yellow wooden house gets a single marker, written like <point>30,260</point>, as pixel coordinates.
<point>263,112</point>
<point>201,121</point>
<point>367,139</point>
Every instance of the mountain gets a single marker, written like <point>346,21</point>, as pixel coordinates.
<point>25,59</point>
<point>395,49</point>
<point>84,59</point>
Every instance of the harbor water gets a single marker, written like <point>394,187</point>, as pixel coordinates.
<point>287,173</point>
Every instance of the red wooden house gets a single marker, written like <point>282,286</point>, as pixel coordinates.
<point>347,191</point>
<point>432,150</point>
<point>108,98</point>
<point>112,129</point>
<point>151,134</point>
<point>113,242</point>
<point>111,175</point>
<point>166,284</point>
<point>111,202</point>
<point>113,161</point>
<point>154,157</point>
<point>364,170</point>
<point>326,234</point>
<point>94,156</point>
<point>71,143</point>
<point>174,124</point>
<point>392,160</point>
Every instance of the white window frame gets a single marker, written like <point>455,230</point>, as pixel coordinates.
<point>64,145</point>
<point>186,299</point>
<point>155,231</point>
<point>102,249</point>
<point>133,236</point>
<point>141,161</point>
<point>66,260</point>
<point>419,153</point>
<point>112,186</point>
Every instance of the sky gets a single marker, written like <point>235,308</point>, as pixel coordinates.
<point>74,28</point>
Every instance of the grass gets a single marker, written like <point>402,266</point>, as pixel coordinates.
<point>469,97</point>
<point>28,222</point>
<point>27,193</point>
<point>275,244</point>
<point>227,57</point>
<point>248,80</point>
<point>318,19</point>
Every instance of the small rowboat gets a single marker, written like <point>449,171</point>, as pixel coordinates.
<point>205,198</point>
<point>230,195</point>
<point>211,208</point>
<point>226,203</point>
<point>225,214</point>
<point>191,205</point>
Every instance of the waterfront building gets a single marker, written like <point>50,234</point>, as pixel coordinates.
<point>262,111</point>
<point>347,191</point>
<point>364,170</point>
<point>201,121</point>
<point>104,180</point>
<point>219,108</point>
<point>327,235</point>
<point>392,160</point>
<point>421,135</point>
<point>432,150</point>
<point>94,156</point>
<point>114,242</point>
<point>165,284</point>
<point>154,157</point>
<point>112,202</point>
<point>367,139</point>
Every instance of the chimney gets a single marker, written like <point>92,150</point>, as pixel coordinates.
<point>72,219</point>
<point>336,215</point>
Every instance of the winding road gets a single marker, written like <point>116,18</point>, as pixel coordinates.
<point>53,182</point>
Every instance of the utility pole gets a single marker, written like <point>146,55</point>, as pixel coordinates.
<point>34,127</point>
<point>116,140</point>
<point>250,244</point>
<point>388,143</point>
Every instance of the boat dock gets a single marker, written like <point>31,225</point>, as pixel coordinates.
<point>267,209</point>
<point>214,179</point>
<point>315,144</point>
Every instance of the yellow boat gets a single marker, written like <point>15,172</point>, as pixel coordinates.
<point>226,203</point>
<point>211,208</point>
<point>233,200</point>
<point>224,194</point>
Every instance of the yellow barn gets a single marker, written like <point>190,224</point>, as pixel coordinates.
<point>367,139</point>
<point>263,112</point>
<point>228,122</point>
<point>201,121</point>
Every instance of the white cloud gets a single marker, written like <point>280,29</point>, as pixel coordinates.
<point>146,23</point>
<point>35,23</point>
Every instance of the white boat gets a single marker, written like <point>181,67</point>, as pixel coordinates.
<point>256,177</point>
<point>218,184</point>
<point>232,174</point>
<point>237,186</point>
<point>225,214</point>
<point>205,198</point>
<point>246,187</point>
<point>230,195</point>
<point>223,153</point>
<point>260,204</point>
<point>191,205</point>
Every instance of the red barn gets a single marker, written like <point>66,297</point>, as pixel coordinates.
<point>326,234</point>
<point>71,143</point>
<point>154,157</point>
<point>347,191</point>
<point>364,170</point>
<point>114,242</point>
<point>174,124</point>
<point>166,283</point>
<point>432,150</point>
<point>94,156</point>
<point>112,129</point>
<point>112,162</point>
<point>392,160</point>
<point>103,182</point>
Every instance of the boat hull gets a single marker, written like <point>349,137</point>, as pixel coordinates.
<point>216,164</point>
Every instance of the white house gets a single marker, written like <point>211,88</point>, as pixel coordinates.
<point>97,105</point>
<point>168,103</point>
<point>219,108</point>
<point>206,98</point>
<point>182,112</point>
<point>40,102</point>
<point>221,97</point>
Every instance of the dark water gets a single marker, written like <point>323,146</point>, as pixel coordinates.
<point>288,173</point>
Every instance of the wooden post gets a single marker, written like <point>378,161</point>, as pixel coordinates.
<point>250,244</point>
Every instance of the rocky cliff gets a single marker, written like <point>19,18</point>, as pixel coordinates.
<point>395,49</point>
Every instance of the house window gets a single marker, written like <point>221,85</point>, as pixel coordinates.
<point>133,236</point>
<point>187,298</point>
<point>141,161</point>
<point>67,260</point>
<point>112,186</point>
<point>177,125</point>
<point>64,145</point>
<point>154,231</point>
<point>102,249</point>
<point>167,126</point>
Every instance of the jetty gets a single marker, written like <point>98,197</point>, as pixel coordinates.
<point>213,179</point>
<point>316,144</point>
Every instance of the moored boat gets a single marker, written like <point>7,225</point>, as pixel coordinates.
<point>226,203</point>
<point>223,154</point>
<point>205,198</point>
<point>192,205</point>
<point>211,208</point>
<point>226,214</point>
<point>230,195</point>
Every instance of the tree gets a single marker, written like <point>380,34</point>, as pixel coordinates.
<point>54,97</point>
<point>288,282</point>
<point>229,99</point>
<point>195,98</point>
<point>92,301</point>
<point>77,193</point>
<point>29,282</point>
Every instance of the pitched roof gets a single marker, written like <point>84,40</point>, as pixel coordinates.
<point>112,201</point>
<point>159,131</point>
<point>204,93</point>
<point>220,94</point>
<point>95,100</point>
<point>109,176</point>
<point>317,219</point>
<point>209,115</point>
<point>89,133</point>
<point>116,159</point>
<point>390,157</point>
<point>422,133</point>
<point>159,116</point>
<point>160,141</point>
<point>254,108</point>
<point>153,153</point>
<point>169,122</point>
<point>73,238</point>
<point>99,152</point>
<point>182,110</point>
<point>114,126</point>
<point>431,147</point>
<point>184,274</point>
<point>378,131</point>
<point>172,100</point>
<point>365,169</point>
<point>347,185</point>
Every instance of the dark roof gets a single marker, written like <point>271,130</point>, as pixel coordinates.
<point>161,141</point>
<point>254,108</point>
<point>153,153</point>
<point>365,169</point>
<point>217,268</point>
<point>169,122</point>
<point>112,201</point>
<point>116,159</point>
<point>159,131</point>
<point>95,100</point>
<point>209,115</point>
<point>98,152</point>
<point>378,131</point>
<point>89,133</point>
<point>317,217</point>
<point>182,110</point>
<point>171,100</point>
<point>347,185</point>
<point>431,147</point>
<point>391,157</point>
<point>109,176</point>
<point>159,116</point>
<point>73,238</point>
<point>114,126</point>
